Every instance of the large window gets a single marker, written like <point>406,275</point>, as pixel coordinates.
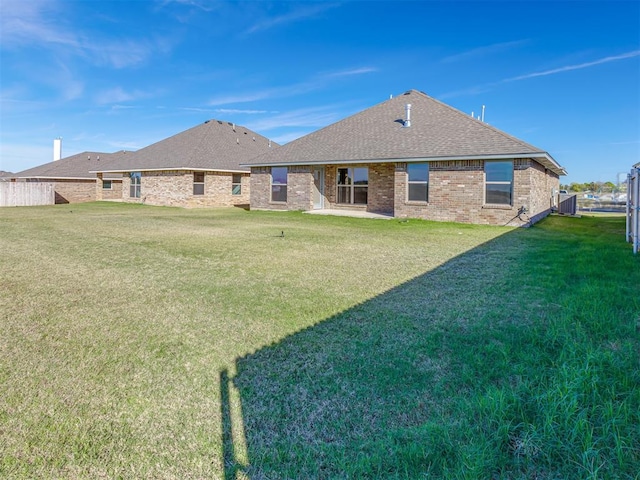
<point>279,184</point>
<point>134,188</point>
<point>498,182</point>
<point>236,184</point>
<point>353,184</point>
<point>418,182</point>
<point>198,183</point>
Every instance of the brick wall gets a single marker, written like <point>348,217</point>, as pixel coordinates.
<point>299,189</point>
<point>261,190</point>
<point>75,191</point>
<point>126,184</point>
<point>456,192</point>
<point>173,188</point>
<point>114,193</point>
<point>544,184</point>
<point>381,197</point>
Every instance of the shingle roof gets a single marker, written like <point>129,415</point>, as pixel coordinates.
<point>81,166</point>
<point>212,145</point>
<point>376,134</point>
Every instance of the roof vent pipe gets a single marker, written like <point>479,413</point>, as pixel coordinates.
<point>407,122</point>
<point>57,148</point>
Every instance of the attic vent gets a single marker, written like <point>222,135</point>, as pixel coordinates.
<point>220,122</point>
<point>207,121</point>
<point>407,92</point>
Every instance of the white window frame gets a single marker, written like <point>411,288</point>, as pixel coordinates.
<point>351,186</point>
<point>197,184</point>
<point>135,186</point>
<point>421,182</point>
<point>281,185</point>
<point>107,182</point>
<point>235,184</point>
<point>494,182</point>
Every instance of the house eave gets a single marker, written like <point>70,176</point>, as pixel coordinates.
<point>541,157</point>
<point>171,169</point>
<point>44,177</point>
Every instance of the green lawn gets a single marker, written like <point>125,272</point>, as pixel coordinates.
<point>150,342</point>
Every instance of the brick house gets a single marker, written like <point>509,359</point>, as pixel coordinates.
<point>199,167</point>
<point>74,179</point>
<point>410,156</point>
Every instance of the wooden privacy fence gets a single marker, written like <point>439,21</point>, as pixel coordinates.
<point>25,194</point>
<point>633,208</point>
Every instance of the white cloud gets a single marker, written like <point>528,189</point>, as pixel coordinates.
<point>244,97</point>
<point>33,22</point>
<point>117,95</point>
<point>307,117</point>
<point>240,111</point>
<point>484,51</point>
<point>291,136</point>
<point>17,157</point>
<point>41,24</point>
<point>320,81</point>
<point>63,79</point>
<point>489,86</point>
<point>353,71</point>
<point>204,5</point>
<point>290,17</point>
<point>579,66</point>
<point>275,92</point>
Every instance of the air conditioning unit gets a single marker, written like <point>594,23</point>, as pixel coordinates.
<point>567,204</point>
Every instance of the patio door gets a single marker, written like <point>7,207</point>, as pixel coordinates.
<point>318,188</point>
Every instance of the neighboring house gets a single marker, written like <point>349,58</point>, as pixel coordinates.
<point>73,177</point>
<point>5,176</point>
<point>410,156</point>
<point>199,167</point>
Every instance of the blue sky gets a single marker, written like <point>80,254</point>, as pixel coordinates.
<point>113,75</point>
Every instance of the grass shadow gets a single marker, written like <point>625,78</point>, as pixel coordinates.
<point>446,375</point>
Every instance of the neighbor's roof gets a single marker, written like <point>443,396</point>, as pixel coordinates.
<point>80,166</point>
<point>212,145</point>
<point>378,134</point>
